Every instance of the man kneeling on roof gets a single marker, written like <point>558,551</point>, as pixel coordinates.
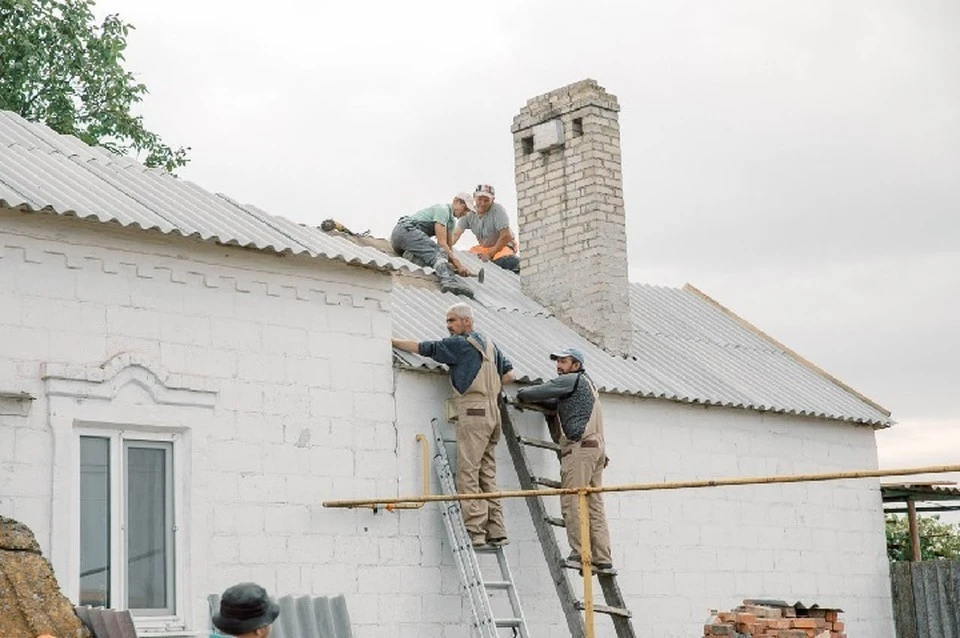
<point>411,240</point>
<point>491,226</point>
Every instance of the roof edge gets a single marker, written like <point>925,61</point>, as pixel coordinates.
<point>177,234</point>
<point>792,353</point>
<point>424,368</point>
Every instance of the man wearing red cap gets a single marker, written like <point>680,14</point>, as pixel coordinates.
<point>491,226</point>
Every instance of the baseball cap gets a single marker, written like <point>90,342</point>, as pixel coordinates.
<point>573,353</point>
<point>468,200</point>
<point>485,190</point>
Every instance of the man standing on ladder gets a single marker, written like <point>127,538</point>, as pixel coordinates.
<point>478,371</point>
<point>582,451</point>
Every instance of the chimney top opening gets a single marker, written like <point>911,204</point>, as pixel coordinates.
<point>527,144</point>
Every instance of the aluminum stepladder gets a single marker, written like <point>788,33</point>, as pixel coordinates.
<point>472,581</point>
<point>556,561</point>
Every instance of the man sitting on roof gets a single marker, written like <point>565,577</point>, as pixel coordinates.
<point>491,226</point>
<point>411,240</point>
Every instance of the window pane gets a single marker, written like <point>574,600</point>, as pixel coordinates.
<point>149,535</point>
<point>94,521</point>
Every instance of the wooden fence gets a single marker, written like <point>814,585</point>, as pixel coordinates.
<point>926,598</point>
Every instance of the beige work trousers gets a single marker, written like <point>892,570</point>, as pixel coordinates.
<point>583,467</point>
<point>477,437</point>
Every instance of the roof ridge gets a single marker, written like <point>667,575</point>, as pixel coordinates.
<point>788,351</point>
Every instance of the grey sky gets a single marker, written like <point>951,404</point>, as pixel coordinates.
<point>798,161</point>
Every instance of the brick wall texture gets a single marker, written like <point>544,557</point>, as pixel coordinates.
<point>571,215</point>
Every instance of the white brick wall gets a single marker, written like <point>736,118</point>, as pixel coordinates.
<point>681,553</point>
<point>305,411</point>
<point>301,363</point>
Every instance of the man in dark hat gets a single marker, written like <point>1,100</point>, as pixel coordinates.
<point>246,611</point>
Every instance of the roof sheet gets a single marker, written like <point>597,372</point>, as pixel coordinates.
<point>43,171</point>
<point>894,493</point>
<point>685,348</point>
<point>107,623</point>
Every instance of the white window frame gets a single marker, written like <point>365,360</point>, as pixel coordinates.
<point>128,395</point>
<point>119,438</point>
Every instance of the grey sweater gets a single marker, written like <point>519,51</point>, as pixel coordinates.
<point>570,394</point>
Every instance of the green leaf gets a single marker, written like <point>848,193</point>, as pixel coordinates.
<point>58,66</point>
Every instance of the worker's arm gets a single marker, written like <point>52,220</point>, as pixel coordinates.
<point>504,367</point>
<point>504,238</point>
<point>409,345</point>
<point>547,393</point>
<point>456,236</point>
<point>440,230</point>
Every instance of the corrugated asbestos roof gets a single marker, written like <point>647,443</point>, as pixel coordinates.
<point>903,492</point>
<point>306,617</point>
<point>43,171</point>
<point>107,623</point>
<point>685,348</point>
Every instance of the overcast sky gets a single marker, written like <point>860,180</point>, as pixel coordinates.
<point>797,161</point>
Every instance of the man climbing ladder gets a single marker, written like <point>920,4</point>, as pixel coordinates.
<point>582,451</point>
<point>477,371</point>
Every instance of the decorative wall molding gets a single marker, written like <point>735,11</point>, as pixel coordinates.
<point>106,381</point>
<point>155,267</point>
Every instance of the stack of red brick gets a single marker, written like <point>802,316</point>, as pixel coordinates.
<point>752,620</point>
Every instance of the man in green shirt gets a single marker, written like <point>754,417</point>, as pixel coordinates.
<point>411,239</point>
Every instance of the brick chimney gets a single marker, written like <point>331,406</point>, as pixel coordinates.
<point>573,247</point>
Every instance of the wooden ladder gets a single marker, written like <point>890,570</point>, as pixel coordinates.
<point>556,561</point>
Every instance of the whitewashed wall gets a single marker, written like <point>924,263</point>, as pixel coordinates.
<point>273,372</point>
<point>276,374</point>
<point>680,553</point>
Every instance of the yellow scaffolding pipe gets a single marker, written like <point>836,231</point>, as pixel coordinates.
<point>425,481</point>
<point>582,492</point>
<point>646,487</point>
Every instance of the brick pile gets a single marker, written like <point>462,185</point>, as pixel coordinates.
<point>774,620</point>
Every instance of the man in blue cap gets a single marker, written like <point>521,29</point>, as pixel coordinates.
<point>574,398</point>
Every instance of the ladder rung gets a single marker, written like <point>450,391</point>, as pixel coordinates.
<point>571,564</point>
<point>497,584</point>
<point>507,622</point>
<point>556,521</point>
<point>604,609</point>
<point>487,549</point>
<point>546,445</point>
<point>539,480</point>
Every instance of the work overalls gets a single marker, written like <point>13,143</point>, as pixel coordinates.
<point>581,465</point>
<point>478,430</point>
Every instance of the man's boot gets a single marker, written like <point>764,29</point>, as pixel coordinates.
<point>449,282</point>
